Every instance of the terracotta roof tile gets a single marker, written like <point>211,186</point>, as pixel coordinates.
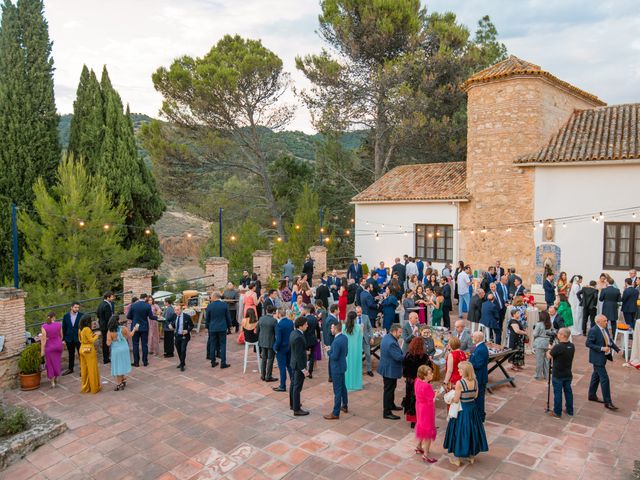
<point>513,66</point>
<point>426,181</point>
<point>603,133</point>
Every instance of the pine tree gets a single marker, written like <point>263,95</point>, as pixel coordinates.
<point>87,124</point>
<point>28,120</point>
<point>68,251</point>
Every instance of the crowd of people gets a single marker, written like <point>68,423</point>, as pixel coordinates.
<point>404,312</point>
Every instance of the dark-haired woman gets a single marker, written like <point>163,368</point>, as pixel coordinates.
<point>117,336</point>
<point>51,347</point>
<point>353,331</point>
<point>413,359</point>
<point>89,373</point>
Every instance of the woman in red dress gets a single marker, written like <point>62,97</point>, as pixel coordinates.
<point>453,359</point>
<point>342,300</point>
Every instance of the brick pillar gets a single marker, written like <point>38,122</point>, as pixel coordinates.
<point>136,281</point>
<point>217,271</point>
<point>262,264</point>
<point>318,254</point>
<point>12,327</point>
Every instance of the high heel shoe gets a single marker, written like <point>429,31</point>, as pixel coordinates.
<point>419,451</point>
<point>117,388</point>
<point>124,384</point>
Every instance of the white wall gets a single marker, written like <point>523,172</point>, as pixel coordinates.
<point>391,243</point>
<point>576,190</point>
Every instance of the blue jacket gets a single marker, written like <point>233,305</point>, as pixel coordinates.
<point>338,354</point>
<point>327,336</point>
<point>629,300</point>
<point>420,266</point>
<point>503,291</point>
<point>389,306</point>
<point>490,315</point>
<point>549,292</point>
<point>595,342</point>
<point>368,304</point>
<point>140,313</point>
<point>480,360</point>
<point>355,272</point>
<point>610,296</point>
<point>70,333</point>
<point>283,332</point>
<point>391,357</point>
<point>217,316</point>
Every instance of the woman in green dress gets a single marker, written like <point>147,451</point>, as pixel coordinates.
<point>436,314</point>
<point>353,331</point>
<point>564,310</point>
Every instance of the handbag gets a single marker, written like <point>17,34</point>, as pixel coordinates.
<point>85,349</point>
<point>454,408</point>
<point>525,339</point>
<point>241,338</point>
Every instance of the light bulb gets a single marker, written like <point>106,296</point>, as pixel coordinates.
<point>633,215</point>
<point>189,235</point>
<point>147,231</point>
<point>81,223</point>
<point>348,232</point>
<point>233,238</point>
<point>541,224</point>
<point>601,216</point>
<point>321,229</point>
<point>484,230</point>
<point>106,226</point>
<point>326,240</point>
<point>508,229</point>
<point>279,239</point>
<point>564,225</point>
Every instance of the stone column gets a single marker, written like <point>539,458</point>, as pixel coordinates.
<point>12,327</point>
<point>217,271</point>
<point>136,281</point>
<point>318,254</point>
<point>262,264</point>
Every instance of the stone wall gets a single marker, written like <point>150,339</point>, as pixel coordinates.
<point>136,281</point>
<point>217,271</point>
<point>507,118</point>
<point>318,254</point>
<point>262,264</point>
<point>12,327</point>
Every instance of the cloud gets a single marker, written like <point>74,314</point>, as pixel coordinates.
<point>591,44</point>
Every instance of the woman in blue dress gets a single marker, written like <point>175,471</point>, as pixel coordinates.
<point>353,332</point>
<point>389,305</point>
<point>120,359</point>
<point>465,436</point>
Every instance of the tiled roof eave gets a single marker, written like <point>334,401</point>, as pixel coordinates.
<point>534,161</point>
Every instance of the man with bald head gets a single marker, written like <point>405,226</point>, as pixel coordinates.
<point>562,354</point>
<point>409,330</point>
<point>480,361</point>
<point>600,344</point>
<point>462,333</point>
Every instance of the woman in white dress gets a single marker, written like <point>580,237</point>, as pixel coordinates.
<point>576,308</point>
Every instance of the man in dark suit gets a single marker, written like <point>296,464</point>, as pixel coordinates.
<point>355,271</point>
<point>327,332</point>
<point>105,311</point>
<point>281,347</point>
<point>352,293</point>
<point>610,296</point>
<point>70,324</point>
<point>490,317</point>
<point>298,348</point>
<point>549,290</point>
<point>333,284</point>
<point>337,353</point>
<point>270,299</point>
<point>266,339</point>
<point>518,288</point>
<point>369,305</point>
<point>447,304</point>
<point>323,293</point>
<point>360,289</point>
<point>311,335</point>
<point>556,319</point>
<point>499,271</point>
<point>498,300</point>
<point>630,303</point>
<point>600,343</point>
<point>139,313</point>
<point>390,367</point>
<point>182,326</point>
<point>475,306</point>
<point>401,270</point>
<point>588,297</point>
<point>169,315</point>
<point>307,269</point>
<point>218,320</point>
<point>480,361</point>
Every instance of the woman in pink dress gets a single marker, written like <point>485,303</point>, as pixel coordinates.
<point>51,347</point>
<point>425,412</point>
<point>250,300</point>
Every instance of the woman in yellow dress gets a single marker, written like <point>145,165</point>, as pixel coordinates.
<point>89,373</point>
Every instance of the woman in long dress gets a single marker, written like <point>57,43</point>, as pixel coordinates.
<point>436,313</point>
<point>420,300</point>
<point>413,360</point>
<point>342,302</point>
<point>89,373</point>
<point>465,436</point>
<point>119,348</point>
<point>250,300</point>
<point>576,308</point>
<point>51,348</point>
<point>353,375</point>
<point>425,412</point>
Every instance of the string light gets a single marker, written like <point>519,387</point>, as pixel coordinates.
<point>321,229</point>
<point>274,223</point>
<point>383,225</point>
<point>405,233</point>
<point>473,232</point>
<point>509,230</point>
<point>147,232</point>
<point>189,235</point>
<point>233,238</point>
<point>352,220</point>
<point>549,225</point>
<point>564,225</point>
<point>348,232</point>
<point>534,227</point>
<point>297,227</point>
<point>279,239</point>
<point>326,240</point>
<point>106,226</point>
<point>429,235</point>
<point>601,216</point>
<point>81,223</point>
<point>484,230</point>
<point>377,236</point>
<point>633,215</point>
<point>541,224</point>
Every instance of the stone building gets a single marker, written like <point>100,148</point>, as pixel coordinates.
<point>538,150</point>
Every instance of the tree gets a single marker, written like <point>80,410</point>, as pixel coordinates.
<point>102,134</point>
<point>68,251</point>
<point>226,102</point>
<point>28,120</point>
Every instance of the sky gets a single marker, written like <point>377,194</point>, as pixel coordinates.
<point>591,44</point>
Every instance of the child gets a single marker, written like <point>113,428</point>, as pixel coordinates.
<point>425,412</point>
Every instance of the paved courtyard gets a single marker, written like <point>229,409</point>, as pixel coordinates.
<point>206,423</point>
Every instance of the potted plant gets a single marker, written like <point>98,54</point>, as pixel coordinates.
<point>29,367</point>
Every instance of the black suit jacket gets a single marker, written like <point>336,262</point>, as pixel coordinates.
<point>105,310</point>
<point>298,349</point>
<point>588,297</point>
<point>629,300</point>
<point>312,333</point>
<point>610,296</point>
<point>187,325</point>
<point>401,270</point>
<point>475,309</point>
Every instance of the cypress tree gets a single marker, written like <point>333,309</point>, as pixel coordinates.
<point>87,124</point>
<point>28,120</point>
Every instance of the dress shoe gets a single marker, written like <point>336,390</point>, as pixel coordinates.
<point>182,368</point>
<point>300,413</point>
<point>610,406</point>
<point>107,362</point>
<point>135,364</point>
<point>278,389</point>
<point>370,373</point>
<point>331,416</point>
<point>345,409</point>
<point>310,376</point>
<point>145,364</point>
<point>262,379</point>
<point>391,416</point>
<point>225,365</point>
<point>178,366</point>
<point>595,399</point>
<point>396,409</point>
<point>167,356</point>
<point>68,371</point>
<point>553,414</point>
<point>271,379</point>
<point>214,364</point>
<point>330,380</point>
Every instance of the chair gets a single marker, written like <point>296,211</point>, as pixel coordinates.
<point>246,355</point>
<point>486,330</point>
<point>626,336</point>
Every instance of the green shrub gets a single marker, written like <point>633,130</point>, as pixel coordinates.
<point>12,422</point>
<point>365,269</point>
<point>30,359</point>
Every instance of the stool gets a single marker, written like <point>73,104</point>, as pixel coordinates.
<point>626,335</point>
<point>475,327</point>
<point>246,355</point>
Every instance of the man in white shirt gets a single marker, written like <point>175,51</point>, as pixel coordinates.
<point>464,281</point>
<point>411,268</point>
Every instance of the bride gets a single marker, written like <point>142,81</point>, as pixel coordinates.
<point>576,308</point>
